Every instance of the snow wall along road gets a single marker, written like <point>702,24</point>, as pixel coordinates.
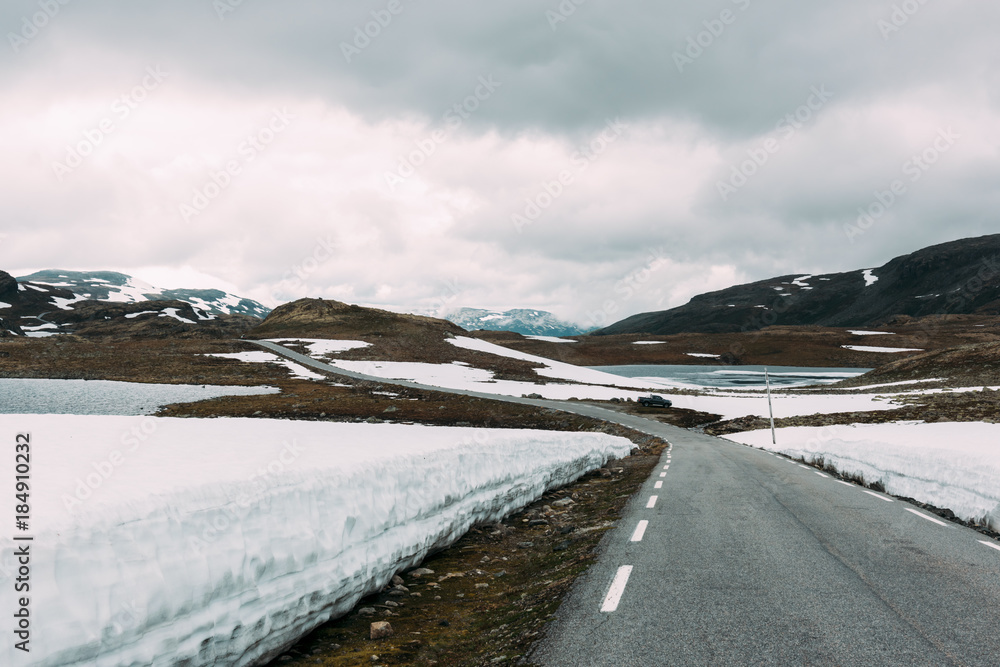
<point>219,542</point>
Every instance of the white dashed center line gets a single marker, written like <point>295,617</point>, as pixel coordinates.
<point>821,474</point>
<point>802,466</point>
<point>640,531</point>
<point>990,545</point>
<point>924,516</point>
<point>888,500</point>
<point>652,502</point>
<point>658,485</point>
<point>663,474</point>
<point>840,481</point>
<point>617,589</point>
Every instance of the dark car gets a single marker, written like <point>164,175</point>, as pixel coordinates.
<point>654,400</point>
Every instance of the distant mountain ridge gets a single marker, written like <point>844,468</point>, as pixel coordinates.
<point>121,288</point>
<point>957,278</point>
<point>527,322</point>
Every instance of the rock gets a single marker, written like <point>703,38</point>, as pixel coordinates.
<point>562,546</point>
<point>258,413</point>
<point>8,285</point>
<point>525,545</point>
<point>366,611</point>
<point>396,580</point>
<point>501,573</point>
<point>537,396</point>
<point>390,603</point>
<point>537,522</point>
<point>414,595</point>
<point>396,593</point>
<point>482,585</point>
<point>391,408</point>
<point>381,630</point>
<point>566,530</point>
<point>371,420</point>
<point>564,502</point>
<point>421,572</point>
<point>445,624</point>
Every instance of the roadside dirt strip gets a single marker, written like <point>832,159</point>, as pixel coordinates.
<point>734,555</point>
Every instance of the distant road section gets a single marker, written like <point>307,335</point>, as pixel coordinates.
<point>735,556</point>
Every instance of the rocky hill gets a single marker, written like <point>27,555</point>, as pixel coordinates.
<point>40,310</point>
<point>119,287</point>
<point>957,278</point>
<point>526,322</point>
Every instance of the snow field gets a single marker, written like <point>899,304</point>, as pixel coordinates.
<point>953,465</point>
<point>165,541</point>
<point>298,371</point>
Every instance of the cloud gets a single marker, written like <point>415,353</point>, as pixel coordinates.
<point>491,156</point>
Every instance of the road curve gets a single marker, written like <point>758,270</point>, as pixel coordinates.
<point>747,558</point>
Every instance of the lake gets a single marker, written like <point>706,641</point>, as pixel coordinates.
<point>104,397</point>
<point>734,377</point>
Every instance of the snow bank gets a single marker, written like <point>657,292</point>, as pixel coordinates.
<point>298,371</point>
<point>552,369</point>
<point>949,465</point>
<point>208,542</point>
<point>551,339</point>
<point>322,346</point>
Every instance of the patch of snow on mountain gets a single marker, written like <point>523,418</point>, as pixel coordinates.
<point>172,312</point>
<point>870,277</point>
<point>872,333</point>
<point>552,339</point>
<point>870,348</point>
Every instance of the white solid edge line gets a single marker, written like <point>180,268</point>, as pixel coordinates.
<point>990,545</point>
<point>924,516</point>
<point>617,589</point>
<point>821,474</point>
<point>888,500</point>
<point>640,531</point>
<point>652,502</point>
<point>658,485</point>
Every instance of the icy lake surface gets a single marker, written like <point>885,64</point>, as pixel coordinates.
<point>104,397</point>
<point>736,376</point>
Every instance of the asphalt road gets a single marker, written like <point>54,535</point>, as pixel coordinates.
<point>747,558</point>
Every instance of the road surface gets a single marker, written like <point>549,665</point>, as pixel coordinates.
<point>735,556</point>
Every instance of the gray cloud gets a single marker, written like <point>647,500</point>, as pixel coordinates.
<point>701,87</point>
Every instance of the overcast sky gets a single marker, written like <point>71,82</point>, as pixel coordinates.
<point>595,159</point>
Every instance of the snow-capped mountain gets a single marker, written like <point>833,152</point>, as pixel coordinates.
<point>523,321</point>
<point>121,288</point>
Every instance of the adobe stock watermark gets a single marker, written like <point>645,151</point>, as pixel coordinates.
<point>295,277</point>
<point>247,152</point>
<point>786,128</point>
<point>441,304</point>
<point>265,478</point>
<point>550,191</point>
<point>225,7</point>
<point>453,117</point>
<point>562,12</point>
<point>626,288</point>
<point>899,17</point>
<point>700,42</point>
<point>363,35</point>
<point>32,25</point>
<point>103,470</point>
<point>121,109</point>
<point>913,169</point>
